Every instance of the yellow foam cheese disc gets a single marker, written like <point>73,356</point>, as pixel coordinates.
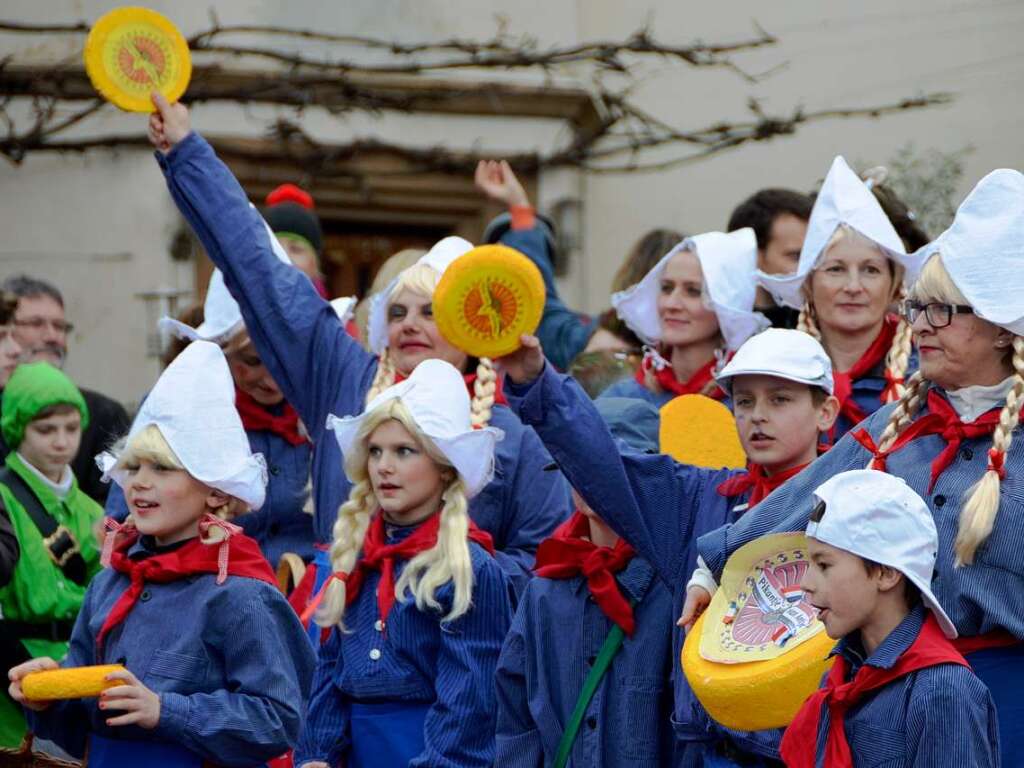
<point>700,431</point>
<point>487,299</point>
<point>70,683</point>
<point>759,650</point>
<point>131,52</point>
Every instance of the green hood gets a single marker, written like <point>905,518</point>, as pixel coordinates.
<point>33,387</point>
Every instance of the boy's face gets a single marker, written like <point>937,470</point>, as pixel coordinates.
<point>778,421</point>
<point>165,502</point>
<point>838,584</point>
<point>51,443</point>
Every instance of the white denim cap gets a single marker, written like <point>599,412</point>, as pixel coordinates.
<point>784,354</point>
<point>843,199</point>
<point>193,406</point>
<point>436,396</point>
<point>728,262</point>
<point>222,318</point>
<point>879,517</point>
<point>440,258</point>
<point>983,249</point>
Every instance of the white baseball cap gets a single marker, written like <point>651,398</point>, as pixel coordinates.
<point>879,517</point>
<point>436,397</point>
<point>728,262</point>
<point>785,354</point>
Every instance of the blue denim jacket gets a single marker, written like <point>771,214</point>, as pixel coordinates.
<point>231,663</point>
<point>555,638</point>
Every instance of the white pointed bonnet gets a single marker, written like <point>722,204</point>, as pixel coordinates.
<point>728,262</point>
<point>436,396</point>
<point>983,249</point>
<point>440,258</point>
<point>193,405</point>
<point>843,199</point>
<point>222,318</point>
<point>344,307</point>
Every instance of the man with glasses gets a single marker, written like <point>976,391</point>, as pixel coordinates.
<point>41,329</point>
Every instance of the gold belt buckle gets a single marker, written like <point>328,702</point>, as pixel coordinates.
<point>68,553</point>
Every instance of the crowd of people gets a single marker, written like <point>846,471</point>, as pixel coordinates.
<point>333,538</point>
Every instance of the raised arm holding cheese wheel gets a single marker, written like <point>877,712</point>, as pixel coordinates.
<point>321,370</point>
<point>951,437</point>
<point>781,385</point>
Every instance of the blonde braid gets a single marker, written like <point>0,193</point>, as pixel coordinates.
<point>348,534</point>
<point>448,560</point>
<point>898,358</point>
<point>806,323</point>
<point>979,511</point>
<point>384,377</point>
<point>484,389</point>
<point>906,408</point>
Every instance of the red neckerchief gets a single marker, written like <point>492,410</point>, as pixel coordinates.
<point>470,379</point>
<point>874,355</point>
<point>697,384</point>
<point>235,555</point>
<point>567,554</point>
<point>378,555</point>
<point>256,418</point>
<point>799,743</point>
<point>756,482</point>
<point>942,420</point>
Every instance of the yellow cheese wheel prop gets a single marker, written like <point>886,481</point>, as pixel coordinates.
<point>759,650</point>
<point>71,683</point>
<point>700,431</point>
<point>131,52</point>
<point>487,299</point>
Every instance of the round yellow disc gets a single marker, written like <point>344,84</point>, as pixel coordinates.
<point>487,299</point>
<point>131,52</point>
<point>700,431</point>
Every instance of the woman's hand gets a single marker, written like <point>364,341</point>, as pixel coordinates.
<point>697,600</point>
<point>525,364</point>
<point>141,705</point>
<point>495,179</point>
<point>16,674</point>
<point>169,124</point>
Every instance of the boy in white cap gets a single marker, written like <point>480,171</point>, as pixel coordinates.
<point>218,667</point>
<point>781,385</point>
<point>898,692</point>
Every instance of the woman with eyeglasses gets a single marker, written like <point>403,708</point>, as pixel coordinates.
<point>951,438</point>
<point>849,277</point>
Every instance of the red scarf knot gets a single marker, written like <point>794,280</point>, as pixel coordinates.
<point>191,558</point>
<point>700,383</point>
<point>567,553</point>
<point>872,357</point>
<point>256,418</point>
<point>996,460</point>
<point>113,529</point>
<point>378,555</point>
<point>756,482</point>
<point>799,743</point>
<point>942,420</point>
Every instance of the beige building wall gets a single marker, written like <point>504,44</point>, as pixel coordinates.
<point>101,226</point>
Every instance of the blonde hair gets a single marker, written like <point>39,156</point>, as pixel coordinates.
<point>981,501</point>
<point>149,444</point>
<point>897,359</point>
<point>448,560</point>
<point>390,269</point>
<point>423,279</point>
